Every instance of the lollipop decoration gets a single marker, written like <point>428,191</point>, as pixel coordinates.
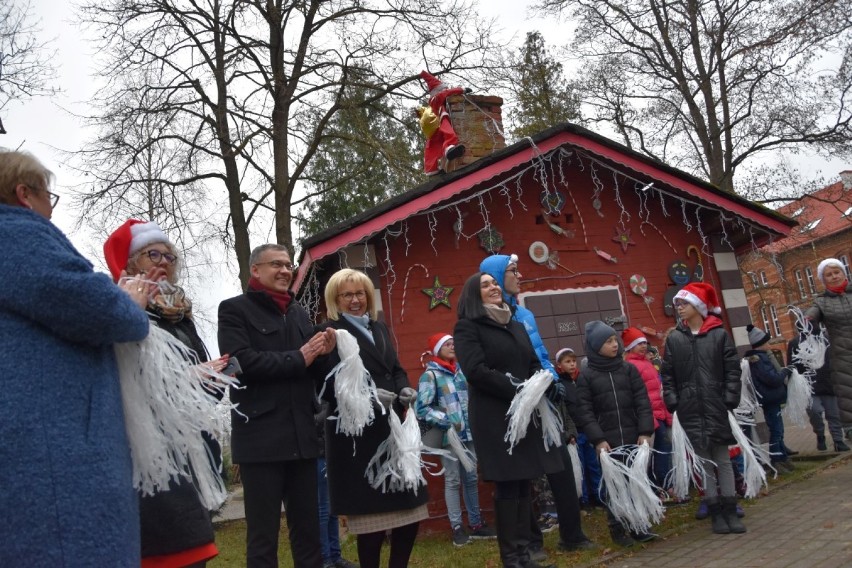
<point>640,287</point>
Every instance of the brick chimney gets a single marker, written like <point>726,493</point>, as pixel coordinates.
<point>478,122</point>
<point>845,177</point>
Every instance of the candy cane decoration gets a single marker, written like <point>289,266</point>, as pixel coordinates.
<point>405,288</point>
<point>674,250</point>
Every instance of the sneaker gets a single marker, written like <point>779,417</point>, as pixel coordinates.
<point>547,524</point>
<point>482,532</point>
<point>841,446</point>
<point>703,511</point>
<point>642,536</point>
<point>460,537</point>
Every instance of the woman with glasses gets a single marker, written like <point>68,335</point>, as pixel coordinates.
<point>67,489</point>
<point>350,305</point>
<point>177,529</point>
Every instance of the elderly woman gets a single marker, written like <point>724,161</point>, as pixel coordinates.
<point>177,529</point>
<point>834,309</point>
<point>350,305</point>
<point>491,346</point>
<point>66,477</point>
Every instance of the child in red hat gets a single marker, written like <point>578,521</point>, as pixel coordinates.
<point>701,383</point>
<point>442,403</point>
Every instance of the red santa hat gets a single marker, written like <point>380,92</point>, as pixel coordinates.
<point>631,337</point>
<point>437,341</point>
<point>433,84</point>
<point>131,237</point>
<point>702,296</point>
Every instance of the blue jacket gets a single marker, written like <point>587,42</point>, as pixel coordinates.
<point>66,491</point>
<point>495,266</point>
<point>768,379</point>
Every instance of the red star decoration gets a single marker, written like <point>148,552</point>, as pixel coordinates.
<point>622,237</point>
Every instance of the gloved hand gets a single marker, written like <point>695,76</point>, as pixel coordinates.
<point>555,392</point>
<point>386,397</point>
<point>467,90</point>
<point>407,396</point>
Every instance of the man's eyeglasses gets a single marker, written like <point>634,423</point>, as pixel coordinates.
<point>348,296</point>
<point>156,256</point>
<point>278,265</point>
<point>513,270</point>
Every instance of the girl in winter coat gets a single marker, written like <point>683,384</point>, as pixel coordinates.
<point>636,350</point>
<point>496,354</point>
<point>442,402</point>
<point>701,382</point>
<point>834,309</point>
<point>614,407</point>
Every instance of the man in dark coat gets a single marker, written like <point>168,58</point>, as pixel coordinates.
<point>273,437</point>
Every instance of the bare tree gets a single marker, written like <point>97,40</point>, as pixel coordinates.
<point>245,89</point>
<point>710,85</point>
<point>25,69</point>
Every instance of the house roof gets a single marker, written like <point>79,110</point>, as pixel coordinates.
<point>820,214</point>
<point>516,156</point>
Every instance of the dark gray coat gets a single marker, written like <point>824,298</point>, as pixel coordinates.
<point>486,351</point>
<point>835,311</point>
<point>701,381</point>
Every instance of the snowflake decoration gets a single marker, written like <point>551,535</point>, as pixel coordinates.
<point>622,237</point>
<point>438,294</point>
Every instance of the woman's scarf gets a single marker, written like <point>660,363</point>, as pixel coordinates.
<point>502,314</point>
<point>839,290</point>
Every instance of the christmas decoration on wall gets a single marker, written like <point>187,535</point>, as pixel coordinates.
<point>438,294</point>
<point>605,255</point>
<point>556,228</point>
<point>679,273</point>
<point>405,288</point>
<point>622,237</point>
<point>553,201</point>
<point>659,232</point>
<point>639,286</point>
<point>540,253</point>
<point>698,273</point>
<point>491,240</point>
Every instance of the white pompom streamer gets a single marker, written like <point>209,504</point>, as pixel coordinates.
<point>799,397</point>
<point>396,465</point>
<point>687,467</point>
<point>754,455</point>
<point>749,404</point>
<point>461,453</point>
<point>528,400</point>
<point>577,466</point>
<point>168,402</point>
<point>630,495</point>
<point>811,351</point>
<point>354,389</point>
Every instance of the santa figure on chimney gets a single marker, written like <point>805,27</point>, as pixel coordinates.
<point>442,144</point>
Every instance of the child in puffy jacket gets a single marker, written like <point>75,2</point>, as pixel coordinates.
<point>614,409</point>
<point>770,382</point>
<point>701,384</point>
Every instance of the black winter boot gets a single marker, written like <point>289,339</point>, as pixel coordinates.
<point>729,511</point>
<point>620,536</point>
<point>821,443</point>
<point>506,517</point>
<point>720,524</point>
<point>524,532</point>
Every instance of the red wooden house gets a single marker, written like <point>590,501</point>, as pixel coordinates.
<point>602,232</point>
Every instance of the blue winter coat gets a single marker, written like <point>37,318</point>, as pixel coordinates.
<point>66,493</point>
<point>495,266</point>
<point>769,380</point>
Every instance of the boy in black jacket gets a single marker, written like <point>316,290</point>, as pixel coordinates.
<point>614,408</point>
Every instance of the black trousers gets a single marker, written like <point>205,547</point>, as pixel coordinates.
<point>266,486</point>
<point>567,504</point>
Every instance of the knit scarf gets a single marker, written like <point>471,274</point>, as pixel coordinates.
<point>839,290</point>
<point>281,299</point>
<point>171,303</point>
<point>601,363</point>
<point>502,314</point>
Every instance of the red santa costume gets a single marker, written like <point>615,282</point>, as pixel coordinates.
<point>443,142</point>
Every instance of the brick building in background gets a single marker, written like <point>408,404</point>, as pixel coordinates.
<point>784,273</point>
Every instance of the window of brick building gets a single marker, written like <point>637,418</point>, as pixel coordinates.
<point>811,283</point>
<point>845,260</point>
<point>775,323</point>
<point>763,279</point>
<point>764,318</point>
<point>754,281</point>
<point>801,284</point>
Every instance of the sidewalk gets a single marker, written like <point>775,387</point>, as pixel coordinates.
<point>799,525</point>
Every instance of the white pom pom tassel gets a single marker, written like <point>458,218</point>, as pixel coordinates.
<point>168,402</point>
<point>686,465</point>
<point>749,404</point>
<point>753,455</point>
<point>811,351</point>
<point>527,401</point>
<point>396,465</point>
<point>577,466</point>
<point>799,397</point>
<point>630,494</point>
<point>354,389</point>
<point>465,457</point>
<point>646,500</point>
